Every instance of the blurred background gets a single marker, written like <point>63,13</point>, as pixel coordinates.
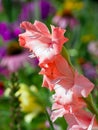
<point>23,102</point>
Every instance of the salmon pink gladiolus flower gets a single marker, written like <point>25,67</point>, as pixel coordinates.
<point>60,72</point>
<point>69,86</point>
<point>80,120</point>
<point>65,103</point>
<point>57,72</point>
<point>72,107</point>
<point>37,38</point>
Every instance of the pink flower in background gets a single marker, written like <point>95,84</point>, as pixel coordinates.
<point>14,62</point>
<point>65,18</point>
<point>37,38</point>
<point>89,70</point>
<point>65,21</point>
<point>93,48</point>
<point>13,58</point>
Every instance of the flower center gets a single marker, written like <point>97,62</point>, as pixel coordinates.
<point>67,13</point>
<point>14,49</point>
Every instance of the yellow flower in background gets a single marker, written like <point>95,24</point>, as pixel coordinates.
<point>69,6</point>
<point>87,38</point>
<point>28,102</point>
<point>73,5</point>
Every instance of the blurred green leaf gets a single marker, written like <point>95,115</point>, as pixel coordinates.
<point>7,4</point>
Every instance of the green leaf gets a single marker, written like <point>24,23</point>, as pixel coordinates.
<point>7,4</point>
<point>91,105</point>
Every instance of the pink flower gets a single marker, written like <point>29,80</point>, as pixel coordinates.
<point>82,86</point>
<point>64,21</point>
<point>14,58</point>
<point>14,62</point>
<point>69,86</point>
<point>80,120</point>
<point>37,38</point>
<point>93,48</point>
<point>67,104</point>
<point>59,72</point>
<point>65,101</point>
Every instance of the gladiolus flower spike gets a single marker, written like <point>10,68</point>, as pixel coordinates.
<point>59,75</point>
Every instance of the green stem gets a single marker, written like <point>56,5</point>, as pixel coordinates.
<point>66,55</point>
<point>50,122</point>
<point>91,105</point>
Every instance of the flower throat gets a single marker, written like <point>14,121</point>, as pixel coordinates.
<point>14,49</point>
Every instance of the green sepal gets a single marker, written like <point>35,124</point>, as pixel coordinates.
<point>91,105</point>
<point>65,54</point>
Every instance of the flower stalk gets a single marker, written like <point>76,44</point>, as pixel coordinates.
<point>50,122</point>
<point>59,75</point>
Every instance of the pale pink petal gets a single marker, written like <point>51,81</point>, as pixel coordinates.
<point>39,41</point>
<point>82,86</point>
<point>66,72</point>
<point>57,113</point>
<point>47,83</point>
<point>72,123</point>
<point>42,28</point>
<point>28,26</point>
<point>91,124</point>
<point>58,72</point>
<point>58,38</point>
<point>62,96</point>
<point>79,120</point>
<point>56,106</point>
